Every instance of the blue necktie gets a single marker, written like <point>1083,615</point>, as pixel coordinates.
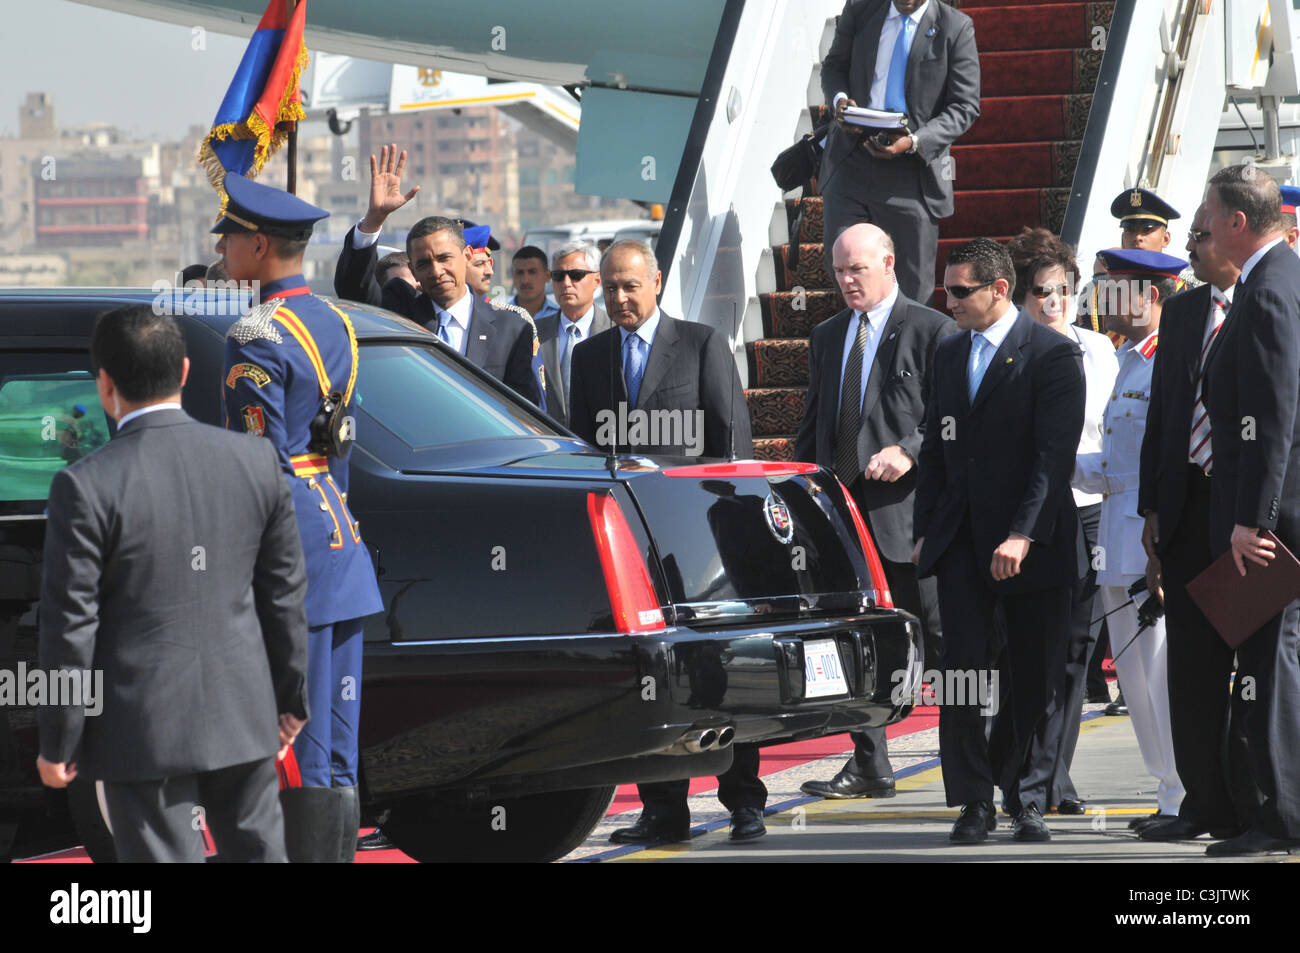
<point>896,81</point>
<point>444,329</point>
<point>566,362</point>
<point>975,373</point>
<point>633,366</point>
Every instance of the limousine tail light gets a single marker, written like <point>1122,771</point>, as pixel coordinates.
<point>884,599</point>
<point>631,595</point>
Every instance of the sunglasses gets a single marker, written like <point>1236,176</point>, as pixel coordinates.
<point>1045,291</point>
<point>575,274</point>
<point>1197,235</point>
<point>1141,226</point>
<point>961,292</point>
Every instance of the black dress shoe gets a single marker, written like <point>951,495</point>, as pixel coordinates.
<point>1069,805</point>
<point>977,819</point>
<point>846,784</point>
<point>1029,826</point>
<point>375,840</point>
<point>652,830</point>
<point>747,823</point>
<point>1179,829</point>
<point>1253,843</point>
<point>1138,823</point>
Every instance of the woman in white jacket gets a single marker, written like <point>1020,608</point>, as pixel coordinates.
<point>1046,274</point>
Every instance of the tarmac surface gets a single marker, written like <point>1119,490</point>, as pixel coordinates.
<point>913,826</point>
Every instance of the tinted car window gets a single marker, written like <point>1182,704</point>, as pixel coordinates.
<point>425,402</point>
<point>50,416</point>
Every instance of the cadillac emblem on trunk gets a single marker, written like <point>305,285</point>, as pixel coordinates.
<point>778,518</point>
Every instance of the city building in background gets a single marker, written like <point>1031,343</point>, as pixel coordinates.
<point>91,206</point>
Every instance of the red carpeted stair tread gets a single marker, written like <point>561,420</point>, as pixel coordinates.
<point>1039,73</point>
<point>774,448</point>
<point>1036,27</point>
<point>778,362</point>
<point>810,273</point>
<point>1002,211</point>
<point>1014,165</point>
<point>1005,119</point>
<point>775,411</point>
<point>787,314</point>
<point>807,213</point>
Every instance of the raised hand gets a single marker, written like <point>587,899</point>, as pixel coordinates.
<point>386,195</point>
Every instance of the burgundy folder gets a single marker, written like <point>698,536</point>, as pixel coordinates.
<point>1238,605</point>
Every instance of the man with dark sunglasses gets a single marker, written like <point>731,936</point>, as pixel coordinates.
<point>995,522</point>
<point>575,276</point>
<point>1144,219</point>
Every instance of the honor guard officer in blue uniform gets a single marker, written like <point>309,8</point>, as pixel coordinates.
<point>1144,218</point>
<point>290,375</point>
<point>1290,201</point>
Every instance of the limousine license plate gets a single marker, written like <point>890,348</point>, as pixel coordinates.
<point>823,676</point>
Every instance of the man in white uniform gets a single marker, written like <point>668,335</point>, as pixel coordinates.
<point>1138,282</point>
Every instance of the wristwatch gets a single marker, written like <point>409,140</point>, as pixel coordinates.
<point>912,151</point>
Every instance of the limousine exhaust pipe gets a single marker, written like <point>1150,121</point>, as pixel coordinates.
<point>696,741</point>
<point>725,738</point>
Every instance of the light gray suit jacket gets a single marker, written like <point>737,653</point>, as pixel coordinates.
<point>173,565</point>
<point>548,333</point>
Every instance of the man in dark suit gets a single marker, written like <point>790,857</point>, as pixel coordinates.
<point>1206,720</point>
<point>655,364</point>
<point>499,342</point>
<point>173,565</point>
<point>1251,389</point>
<point>995,521</point>
<point>880,349</point>
<point>916,58</point>
<point>652,366</point>
<point>575,278</point>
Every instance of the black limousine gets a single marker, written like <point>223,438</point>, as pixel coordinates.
<point>556,621</point>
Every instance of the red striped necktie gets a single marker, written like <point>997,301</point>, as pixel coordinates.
<point>1201,452</point>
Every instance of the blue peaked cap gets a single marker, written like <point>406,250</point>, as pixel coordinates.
<point>253,207</point>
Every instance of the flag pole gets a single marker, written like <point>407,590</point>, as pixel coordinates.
<point>291,186</point>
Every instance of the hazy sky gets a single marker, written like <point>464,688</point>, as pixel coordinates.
<point>138,74</point>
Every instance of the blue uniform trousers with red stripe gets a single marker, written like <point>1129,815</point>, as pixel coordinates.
<point>326,748</point>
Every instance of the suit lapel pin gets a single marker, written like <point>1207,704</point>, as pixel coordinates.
<point>1010,359</point>
<point>482,337</point>
<point>893,335</point>
<point>931,32</point>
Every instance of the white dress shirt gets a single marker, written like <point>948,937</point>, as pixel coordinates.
<point>362,239</point>
<point>646,333</point>
<point>1253,260</point>
<point>458,326</point>
<point>584,330</point>
<point>141,411</point>
<point>876,317</point>
<point>997,332</point>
